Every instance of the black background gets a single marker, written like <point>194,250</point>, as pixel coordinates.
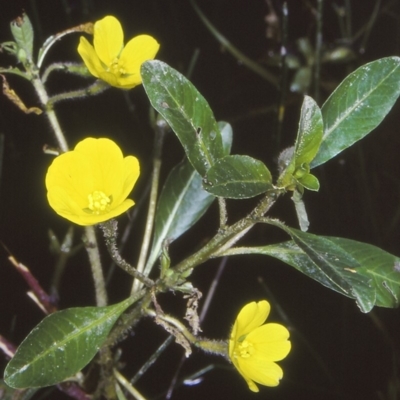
<point>338,352</point>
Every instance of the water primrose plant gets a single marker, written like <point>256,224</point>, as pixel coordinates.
<point>89,186</point>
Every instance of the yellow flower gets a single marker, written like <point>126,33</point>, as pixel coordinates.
<point>90,184</point>
<point>253,347</point>
<point>110,61</point>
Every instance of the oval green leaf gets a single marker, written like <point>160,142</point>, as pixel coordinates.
<point>308,140</point>
<point>186,111</point>
<point>358,270</point>
<point>237,177</point>
<point>22,30</point>
<point>61,345</point>
<point>358,105</point>
<point>309,182</point>
<point>310,132</point>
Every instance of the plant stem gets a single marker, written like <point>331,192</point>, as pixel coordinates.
<point>227,237</point>
<point>124,382</point>
<point>248,62</point>
<point>51,115</point>
<point>64,253</point>
<point>223,215</point>
<point>283,78</point>
<point>110,234</point>
<point>318,50</point>
<point>160,129</point>
<point>128,320</point>
<point>207,345</point>
<point>92,249</point>
<point>97,87</point>
<point>152,359</point>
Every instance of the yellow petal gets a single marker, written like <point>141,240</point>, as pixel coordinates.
<point>106,164</point>
<point>270,341</point>
<point>108,39</point>
<point>66,171</point>
<point>131,172</point>
<point>252,386</point>
<point>63,205</point>
<point>128,82</point>
<point>110,78</point>
<point>118,81</point>
<point>138,50</point>
<point>89,56</point>
<point>251,316</point>
<point>257,370</point>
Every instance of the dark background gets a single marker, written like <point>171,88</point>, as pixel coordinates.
<point>338,352</point>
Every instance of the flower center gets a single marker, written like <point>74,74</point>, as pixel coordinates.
<point>116,68</point>
<point>245,349</point>
<point>99,203</point>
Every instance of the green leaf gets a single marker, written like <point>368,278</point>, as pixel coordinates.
<point>310,132</point>
<point>358,105</point>
<point>309,136</point>
<point>186,111</point>
<point>22,30</point>
<point>183,201</point>
<point>357,270</point>
<point>61,345</point>
<point>237,177</point>
<point>310,182</point>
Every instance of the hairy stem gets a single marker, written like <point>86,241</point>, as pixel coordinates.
<point>228,237</point>
<point>109,229</point>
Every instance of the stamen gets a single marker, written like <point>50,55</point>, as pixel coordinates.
<point>246,349</point>
<point>116,68</point>
<point>99,203</point>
